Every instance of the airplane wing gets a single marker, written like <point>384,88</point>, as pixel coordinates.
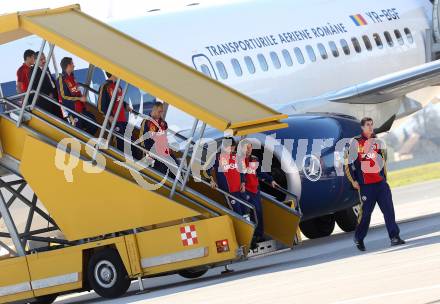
<point>390,86</point>
<point>376,91</point>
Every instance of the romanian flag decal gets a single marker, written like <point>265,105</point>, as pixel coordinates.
<point>359,20</point>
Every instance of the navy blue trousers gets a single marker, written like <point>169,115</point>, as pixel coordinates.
<point>371,194</point>
<point>120,129</point>
<point>255,200</point>
<point>236,206</point>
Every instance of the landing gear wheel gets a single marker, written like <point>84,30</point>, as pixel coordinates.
<point>193,273</point>
<point>47,299</point>
<point>347,219</point>
<point>318,227</point>
<point>107,275</point>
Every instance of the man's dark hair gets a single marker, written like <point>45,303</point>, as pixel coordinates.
<point>27,54</point>
<point>65,62</point>
<point>108,74</point>
<point>229,141</point>
<point>365,120</point>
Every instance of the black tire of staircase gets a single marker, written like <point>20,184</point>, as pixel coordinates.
<point>117,282</point>
<point>193,273</point>
<point>47,299</point>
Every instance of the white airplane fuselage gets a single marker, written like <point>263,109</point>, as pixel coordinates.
<point>204,36</point>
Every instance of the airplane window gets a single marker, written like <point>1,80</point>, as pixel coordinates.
<point>399,37</point>
<point>222,70</point>
<point>345,47</point>
<point>367,42</point>
<point>409,35</point>
<point>322,51</point>
<point>299,55</point>
<point>378,40</point>
<point>250,64</point>
<point>334,49</point>
<point>205,70</point>
<point>311,53</point>
<point>287,57</point>
<point>275,60</point>
<point>356,45</point>
<point>237,67</point>
<point>263,62</point>
<point>389,39</point>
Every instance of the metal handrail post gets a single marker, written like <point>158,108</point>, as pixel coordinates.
<point>183,161</point>
<point>107,117</point>
<point>89,78</point>
<point>55,67</point>
<point>193,157</point>
<point>31,82</point>
<point>118,110</point>
<point>57,74</point>
<point>12,229</point>
<point>43,74</point>
<point>1,98</point>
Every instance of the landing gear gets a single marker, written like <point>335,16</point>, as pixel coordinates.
<point>107,275</point>
<point>347,219</point>
<point>193,273</point>
<point>318,227</point>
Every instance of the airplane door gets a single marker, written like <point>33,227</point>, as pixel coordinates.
<point>203,64</point>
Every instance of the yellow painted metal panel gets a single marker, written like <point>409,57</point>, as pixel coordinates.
<point>279,223</point>
<point>153,248</point>
<point>94,203</point>
<point>56,271</point>
<point>14,280</point>
<point>10,28</point>
<point>259,128</point>
<point>121,246</point>
<point>133,253</point>
<point>12,138</point>
<point>187,89</point>
<point>13,143</point>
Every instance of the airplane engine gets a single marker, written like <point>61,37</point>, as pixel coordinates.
<point>308,162</point>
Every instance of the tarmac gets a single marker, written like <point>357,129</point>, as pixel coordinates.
<point>327,270</point>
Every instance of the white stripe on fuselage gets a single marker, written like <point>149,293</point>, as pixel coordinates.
<point>199,31</point>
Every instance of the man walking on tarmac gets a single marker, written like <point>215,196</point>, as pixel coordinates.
<point>367,173</point>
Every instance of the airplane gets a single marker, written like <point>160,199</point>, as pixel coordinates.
<point>325,63</point>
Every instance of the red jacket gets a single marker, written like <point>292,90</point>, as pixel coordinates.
<point>228,174</point>
<point>23,77</point>
<point>157,135</point>
<point>253,173</point>
<point>70,92</point>
<point>369,163</point>
<point>105,97</point>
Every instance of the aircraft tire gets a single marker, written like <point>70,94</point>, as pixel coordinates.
<point>318,227</point>
<point>347,219</point>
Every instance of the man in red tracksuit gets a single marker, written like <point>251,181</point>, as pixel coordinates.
<point>252,185</point>
<point>154,133</point>
<point>367,173</point>
<point>227,171</point>
<point>70,94</point>
<point>104,99</point>
<point>23,72</point>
